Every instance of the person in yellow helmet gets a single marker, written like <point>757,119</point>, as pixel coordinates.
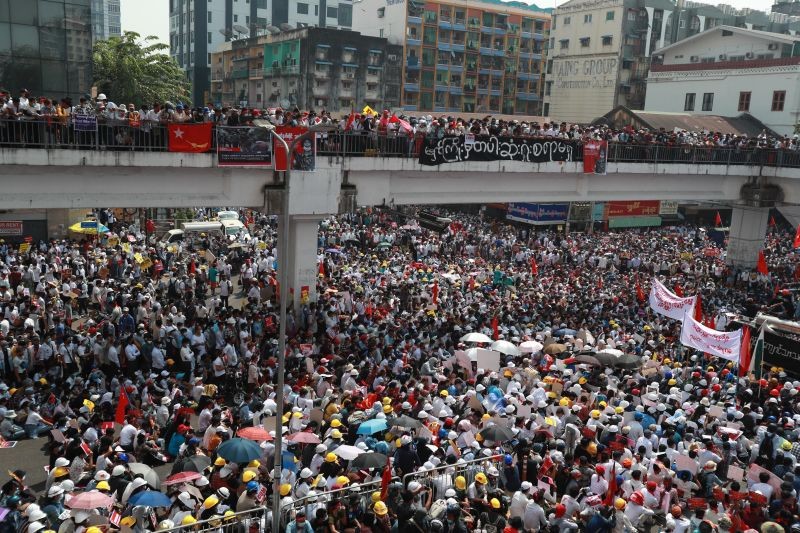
<point>477,490</point>
<point>493,516</point>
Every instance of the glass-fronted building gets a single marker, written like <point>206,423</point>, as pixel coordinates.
<point>46,47</point>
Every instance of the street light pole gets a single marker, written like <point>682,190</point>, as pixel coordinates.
<point>283,300</point>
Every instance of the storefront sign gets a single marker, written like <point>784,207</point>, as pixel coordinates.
<point>538,213</point>
<point>493,148</point>
<point>248,146</point>
<point>667,207</point>
<point>632,208</point>
<point>781,349</point>
<point>10,227</point>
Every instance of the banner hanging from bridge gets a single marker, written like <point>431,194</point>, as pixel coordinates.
<point>454,149</point>
<point>244,145</point>
<point>595,157</point>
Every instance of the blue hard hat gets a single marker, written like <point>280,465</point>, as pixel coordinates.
<point>638,416</point>
<point>123,457</point>
<point>509,459</point>
<point>667,375</point>
<point>252,486</point>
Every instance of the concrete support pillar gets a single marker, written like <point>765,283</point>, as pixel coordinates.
<point>302,261</point>
<point>746,237</point>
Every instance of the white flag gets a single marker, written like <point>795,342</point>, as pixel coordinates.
<point>724,344</point>
<point>664,302</point>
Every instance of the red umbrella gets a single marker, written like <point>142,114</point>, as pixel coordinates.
<point>182,477</point>
<point>304,437</point>
<point>254,433</point>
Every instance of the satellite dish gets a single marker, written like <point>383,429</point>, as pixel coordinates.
<point>273,29</point>
<point>226,32</point>
<point>240,29</point>
<point>286,27</point>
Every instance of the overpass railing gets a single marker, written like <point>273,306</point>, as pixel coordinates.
<point>120,135</point>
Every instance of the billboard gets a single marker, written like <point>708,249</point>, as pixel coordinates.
<point>633,208</point>
<point>538,213</point>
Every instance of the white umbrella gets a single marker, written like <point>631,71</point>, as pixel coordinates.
<point>531,347</point>
<point>505,347</point>
<point>611,351</point>
<point>348,453</point>
<point>472,353</point>
<point>476,337</point>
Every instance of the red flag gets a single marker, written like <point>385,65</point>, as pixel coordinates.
<point>761,267</point>
<point>698,309</point>
<point>639,292</point>
<point>796,243</point>
<point>86,449</point>
<point>745,354</point>
<point>772,223</point>
<point>534,267</point>
<point>322,268</point>
<point>717,220</point>
<point>402,124</point>
<point>350,120</point>
<point>386,478</point>
<point>600,282</point>
<point>190,137</point>
<point>611,493</point>
<point>495,328</point>
<point>472,283</point>
<point>122,406</point>
<point>678,290</point>
<point>435,292</point>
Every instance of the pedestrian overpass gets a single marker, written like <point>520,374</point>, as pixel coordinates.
<point>33,178</point>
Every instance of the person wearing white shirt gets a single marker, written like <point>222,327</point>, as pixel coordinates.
<point>519,501</point>
<point>127,435</point>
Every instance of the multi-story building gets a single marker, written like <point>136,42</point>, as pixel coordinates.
<point>46,47</point>
<point>600,50</point>
<point>465,56</point>
<point>198,28</point>
<point>787,7</point>
<point>106,19</point>
<point>311,68</point>
<point>728,71</point>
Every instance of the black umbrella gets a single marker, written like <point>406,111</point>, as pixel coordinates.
<point>496,433</point>
<point>369,460</point>
<point>405,421</point>
<point>587,359</point>
<point>628,361</point>
<point>606,359</point>
<point>195,463</point>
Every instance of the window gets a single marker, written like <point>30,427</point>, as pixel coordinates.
<point>778,98</point>
<point>209,59</point>
<point>380,34</point>
<point>381,12</point>
<point>682,23</point>
<point>209,37</point>
<point>236,18</point>
<point>584,42</point>
<point>333,13</point>
<point>708,101</point>
<point>609,15</point>
<point>316,10</point>
<point>744,101</point>
<point>567,20</point>
<point>607,40</point>
<point>632,15</point>
<point>564,43</point>
<point>209,17</point>
<point>587,18</point>
<point>688,103</point>
<point>302,9</point>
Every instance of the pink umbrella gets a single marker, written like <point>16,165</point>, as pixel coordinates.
<point>182,477</point>
<point>93,499</point>
<point>304,437</point>
<point>254,433</point>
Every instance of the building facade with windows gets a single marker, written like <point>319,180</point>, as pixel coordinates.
<point>728,71</point>
<point>464,57</point>
<point>46,47</point>
<point>308,68</point>
<point>106,20</point>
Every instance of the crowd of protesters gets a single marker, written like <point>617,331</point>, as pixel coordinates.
<point>27,120</point>
<point>127,352</point>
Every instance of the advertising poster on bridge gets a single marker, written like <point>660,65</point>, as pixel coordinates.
<point>454,149</point>
<point>244,146</point>
<point>595,157</point>
<point>304,156</point>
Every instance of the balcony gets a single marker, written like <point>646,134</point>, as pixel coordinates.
<point>217,75</point>
<point>442,66</point>
<point>443,46</point>
<point>321,90</point>
<point>456,68</point>
<point>414,20</point>
<point>349,55</point>
<point>528,75</point>
<point>282,71</point>
<point>527,97</point>
<point>411,87</point>
<point>256,73</point>
<point>538,36</point>
<point>413,41</point>
<point>373,75</point>
<point>486,51</point>
<point>445,23</point>
<point>459,24</point>
<point>412,63</point>
<point>240,73</point>
<point>347,92</point>
<point>322,73</point>
<point>372,95</point>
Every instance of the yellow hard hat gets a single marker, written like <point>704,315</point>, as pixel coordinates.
<point>93,529</point>
<point>61,471</point>
<point>188,520</point>
<point>443,393</point>
<point>620,504</point>
<point>219,461</point>
<point>286,489</point>
<point>581,380</point>
<point>479,437</point>
<point>376,497</point>
<point>461,483</point>
<point>667,361</point>
<point>248,475</point>
<point>103,485</point>
<point>495,503</point>
<point>485,416</point>
<point>297,414</point>
<point>786,446</point>
<point>336,434</point>
<point>342,480</point>
<point>595,414</point>
<point>43,381</point>
<point>127,521</point>
<point>619,410</point>
<point>210,502</point>
<point>480,477</point>
<point>507,373</point>
<point>551,395</point>
<point>254,464</point>
<point>603,405</point>
<point>387,401</point>
<point>330,458</point>
<point>380,509</point>
<point>672,382</point>
<point>387,409</point>
<point>229,514</point>
<point>563,402</point>
<point>336,423</point>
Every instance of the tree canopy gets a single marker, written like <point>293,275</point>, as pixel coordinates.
<point>132,69</point>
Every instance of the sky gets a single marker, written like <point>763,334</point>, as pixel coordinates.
<point>151,17</point>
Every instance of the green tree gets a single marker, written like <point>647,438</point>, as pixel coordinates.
<point>132,69</point>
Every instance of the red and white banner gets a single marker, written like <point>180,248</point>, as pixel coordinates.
<point>724,344</point>
<point>665,302</point>
<point>595,157</point>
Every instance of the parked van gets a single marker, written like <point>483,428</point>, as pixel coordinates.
<point>228,215</point>
<point>233,227</point>
<point>192,228</point>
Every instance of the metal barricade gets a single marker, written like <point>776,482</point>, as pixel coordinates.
<point>60,132</point>
<point>252,521</point>
<point>443,477</point>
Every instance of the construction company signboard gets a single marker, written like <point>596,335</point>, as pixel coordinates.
<point>583,85</point>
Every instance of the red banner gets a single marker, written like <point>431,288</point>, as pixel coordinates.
<point>633,208</point>
<point>190,137</point>
<point>595,157</point>
<point>304,154</point>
